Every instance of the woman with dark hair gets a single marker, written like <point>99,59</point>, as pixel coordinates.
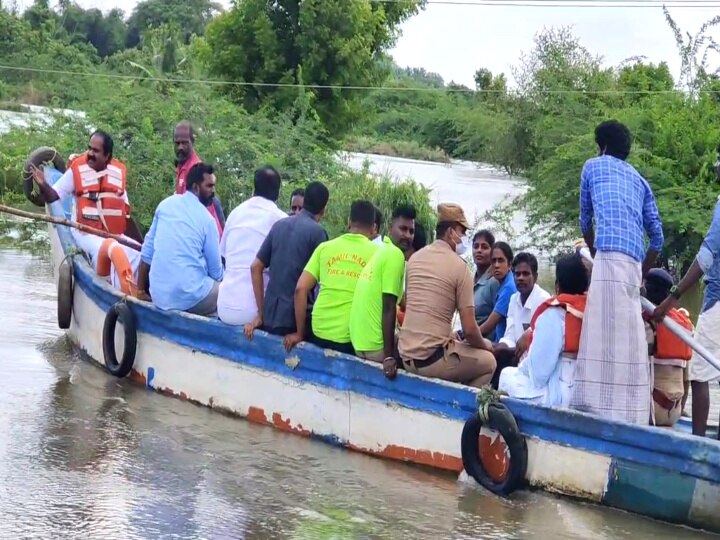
<point>496,323</point>
<point>486,286</point>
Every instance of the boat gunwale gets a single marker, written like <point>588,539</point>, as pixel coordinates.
<point>673,451</point>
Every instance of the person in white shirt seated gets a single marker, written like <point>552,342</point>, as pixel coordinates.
<point>245,230</point>
<point>513,345</point>
<point>547,373</point>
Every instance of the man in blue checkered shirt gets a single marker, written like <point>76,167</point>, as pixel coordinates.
<point>617,209</point>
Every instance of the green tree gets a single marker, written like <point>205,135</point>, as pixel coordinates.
<point>192,16</point>
<point>329,43</point>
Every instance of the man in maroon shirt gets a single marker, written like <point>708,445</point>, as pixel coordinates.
<point>185,159</point>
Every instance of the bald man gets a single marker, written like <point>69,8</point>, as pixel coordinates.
<point>185,159</point>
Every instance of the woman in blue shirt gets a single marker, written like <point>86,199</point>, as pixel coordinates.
<point>486,286</point>
<point>501,260</point>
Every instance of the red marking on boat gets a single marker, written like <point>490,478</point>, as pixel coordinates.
<point>137,377</point>
<point>437,460</point>
<point>286,425</point>
<point>494,456</point>
<point>257,415</point>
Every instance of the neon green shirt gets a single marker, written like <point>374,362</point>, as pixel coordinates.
<point>384,274</point>
<point>336,265</point>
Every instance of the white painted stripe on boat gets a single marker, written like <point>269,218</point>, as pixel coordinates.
<point>704,507</point>
<point>566,470</point>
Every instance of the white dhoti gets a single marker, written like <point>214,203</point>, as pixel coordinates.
<point>91,243</point>
<point>612,375</point>
<point>707,332</point>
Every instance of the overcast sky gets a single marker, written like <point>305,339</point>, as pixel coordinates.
<point>454,40</point>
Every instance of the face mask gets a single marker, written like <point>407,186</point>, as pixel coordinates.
<point>463,246</point>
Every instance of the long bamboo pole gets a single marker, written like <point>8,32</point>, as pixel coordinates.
<point>671,325</point>
<point>67,223</point>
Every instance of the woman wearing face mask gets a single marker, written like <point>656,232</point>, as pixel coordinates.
<point>486,286</point>
<point>501,259</point>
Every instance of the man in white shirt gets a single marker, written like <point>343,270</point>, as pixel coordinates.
<point>245,230</point>
<point>523,303</point>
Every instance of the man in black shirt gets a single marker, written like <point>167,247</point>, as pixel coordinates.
<point>285,251</point>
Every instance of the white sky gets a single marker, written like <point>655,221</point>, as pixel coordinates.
<point>455,40</point>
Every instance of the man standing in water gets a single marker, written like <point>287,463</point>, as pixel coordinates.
<point>612,377</point>
<point>707,263</point>
<point>185,159</point>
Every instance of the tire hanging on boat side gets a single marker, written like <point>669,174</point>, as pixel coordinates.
<point>119,312</point>
<point>41,155</point>
<point>65,293</point>
<point>501,420</point>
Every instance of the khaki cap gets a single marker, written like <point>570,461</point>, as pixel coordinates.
<point>451,213</point>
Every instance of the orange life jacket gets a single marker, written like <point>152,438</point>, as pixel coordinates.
<point>670,349</point>
<point>574,305</point>
<point>99,195</point>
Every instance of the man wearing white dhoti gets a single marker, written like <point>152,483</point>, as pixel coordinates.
<point>612,375</point>
<point>707,332</point>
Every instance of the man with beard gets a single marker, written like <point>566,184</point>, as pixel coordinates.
<point>379,289</point>
<point>185,159</point>
<point>185,271</point>
<point>98,182</point>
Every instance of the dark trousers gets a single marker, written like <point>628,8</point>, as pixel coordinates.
<point>503,358</point>
<point>346,348</point>
<point>281,331</point>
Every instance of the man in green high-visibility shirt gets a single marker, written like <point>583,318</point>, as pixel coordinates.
<point>335,265</point>
<point>374,307</point>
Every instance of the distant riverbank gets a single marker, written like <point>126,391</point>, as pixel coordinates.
<point>401,149</point>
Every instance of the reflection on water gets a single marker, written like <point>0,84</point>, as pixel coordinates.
<point>83,455</point>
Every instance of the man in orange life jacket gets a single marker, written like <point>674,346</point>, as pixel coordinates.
<point>185,159</point>
<point>99,184</point>
<point>669,354</point>
<point>546,375</point>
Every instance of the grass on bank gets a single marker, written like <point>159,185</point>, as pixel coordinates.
<point>402,149</point>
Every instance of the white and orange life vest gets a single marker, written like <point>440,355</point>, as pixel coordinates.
<point>99,195</point>
<point>574,306</point>
<point>669,349</point>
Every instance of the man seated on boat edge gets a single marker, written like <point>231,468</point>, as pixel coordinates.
<point>185,159</point>
<point>378,292</point>
<point>546,374</point>
<point>439,283</point>
<point>668,353</point>
<point>100,201</point>
<point>285,252</point>
<point>523,304</point>
<point>336,266</point>
<point>181,253</point>
<point>246,229</point>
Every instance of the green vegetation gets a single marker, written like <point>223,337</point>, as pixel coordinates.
<point>288,86</point>
<point>543,130</point>
<point>135,95</point>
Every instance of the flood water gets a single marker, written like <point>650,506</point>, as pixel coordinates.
<point>84,455</point>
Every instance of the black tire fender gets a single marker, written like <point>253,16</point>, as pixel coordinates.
<point>119,312</point>
<point>501,420</point>
<point>65,293</point>
<point>41,155</point>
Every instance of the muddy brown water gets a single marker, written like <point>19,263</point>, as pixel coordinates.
<point>86,456</point>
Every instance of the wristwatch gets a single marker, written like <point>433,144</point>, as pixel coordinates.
<point>675,292</point>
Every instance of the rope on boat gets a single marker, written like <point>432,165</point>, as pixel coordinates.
<point>486,397</point>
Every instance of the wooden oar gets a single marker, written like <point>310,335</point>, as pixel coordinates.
<point>681,333</point>
<point>67,223</point>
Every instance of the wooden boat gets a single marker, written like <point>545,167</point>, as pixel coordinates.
<point>348,402</point>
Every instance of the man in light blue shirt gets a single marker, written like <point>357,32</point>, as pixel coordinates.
<point>707,263</point>
<point>181,252</point>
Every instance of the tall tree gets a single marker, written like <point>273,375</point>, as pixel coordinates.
<point>192,16</point>
<point>329,43</point>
